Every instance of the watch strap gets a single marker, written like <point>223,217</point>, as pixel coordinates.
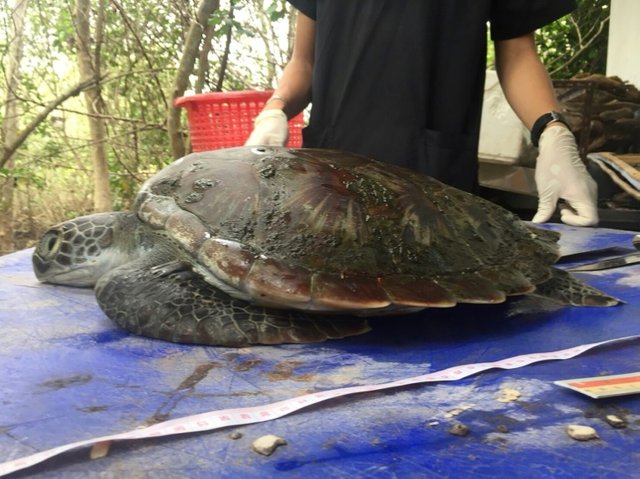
<point>542,122</point>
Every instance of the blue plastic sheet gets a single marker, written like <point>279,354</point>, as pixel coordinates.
<point>69,374</point>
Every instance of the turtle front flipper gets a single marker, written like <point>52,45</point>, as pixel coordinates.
<point>566,289</point>
<point>171,302</point>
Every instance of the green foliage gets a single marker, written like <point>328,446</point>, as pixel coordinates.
<point>22,173</point>
<point>277,10</point>
<point>62,30</point>
<point>577,43</point>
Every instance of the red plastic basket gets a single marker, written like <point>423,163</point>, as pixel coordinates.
<point>225,119</point>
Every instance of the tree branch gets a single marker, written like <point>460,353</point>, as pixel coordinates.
<point>143,51</point>
<point>9,150</point>
<point>582,49</point>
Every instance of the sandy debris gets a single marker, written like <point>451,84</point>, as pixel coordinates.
<point>100,449</point>
<point>459,429</point>
<point>615,421</point>
<point>458,410</point>
<point>508,395</point>
<point>265,445</point>
<point>581,433</point>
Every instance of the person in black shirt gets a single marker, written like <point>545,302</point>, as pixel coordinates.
<point>402,81</point>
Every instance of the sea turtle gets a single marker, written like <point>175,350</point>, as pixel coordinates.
<point>273,245</point>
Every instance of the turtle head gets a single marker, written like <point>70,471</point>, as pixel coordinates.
<point>79,251</point>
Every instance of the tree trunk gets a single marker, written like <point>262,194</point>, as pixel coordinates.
<point>11,124</point>
<point>224,61</point>
<point>187,62</point>
<point>89,67</point>
<point>203,60</point>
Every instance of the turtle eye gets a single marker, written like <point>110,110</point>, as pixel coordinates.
<point>50,244</point>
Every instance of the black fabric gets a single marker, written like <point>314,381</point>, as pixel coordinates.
<point>514,18</point>
<point>402,80</point>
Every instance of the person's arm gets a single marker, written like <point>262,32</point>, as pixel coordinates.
<point>293,92</point>
<point>295,84</point>
<point>560,173</point>
<point>524,79</point>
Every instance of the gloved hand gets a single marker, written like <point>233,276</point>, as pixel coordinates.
<point>560,173</point>
<point>270,128</point>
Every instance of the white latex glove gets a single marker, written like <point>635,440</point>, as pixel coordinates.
<point>560,173</point>
<point>270,128</point>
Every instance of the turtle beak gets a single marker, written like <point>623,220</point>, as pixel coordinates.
<point>40,266</point>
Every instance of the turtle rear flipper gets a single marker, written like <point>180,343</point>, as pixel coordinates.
<point>173,303</point>
<point>567,289</point>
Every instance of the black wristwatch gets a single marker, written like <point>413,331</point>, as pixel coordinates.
<point>542,122</point>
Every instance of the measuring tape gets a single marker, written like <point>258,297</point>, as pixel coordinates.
<point>249,415</point>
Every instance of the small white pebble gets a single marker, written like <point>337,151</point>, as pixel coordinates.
<point>265,445</point>
<point>581,433</point>
<point>615,421</point>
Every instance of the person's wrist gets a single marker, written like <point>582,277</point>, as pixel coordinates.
<point>274,106</point>
<point>544,121</point>
<point>275,102</point>
<point>274,113</point>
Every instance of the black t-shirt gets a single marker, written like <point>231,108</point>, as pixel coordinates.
<point>402,80</point>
